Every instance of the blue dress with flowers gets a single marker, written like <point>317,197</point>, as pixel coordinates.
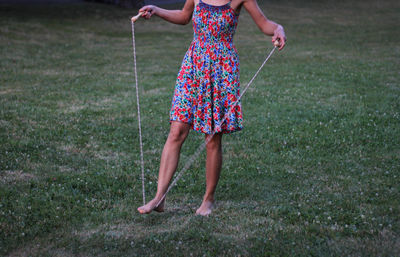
<point>208,84</point>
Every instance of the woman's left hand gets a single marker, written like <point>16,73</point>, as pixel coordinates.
<point>279,37</point>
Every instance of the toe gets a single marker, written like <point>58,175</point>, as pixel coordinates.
<point>142,210</point>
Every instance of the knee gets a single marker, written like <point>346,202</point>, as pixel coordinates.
<point>177,135</point>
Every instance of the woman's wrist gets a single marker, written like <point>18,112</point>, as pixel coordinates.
<point>156,10</point>
<point>279,29</point>
<point>279,33</point>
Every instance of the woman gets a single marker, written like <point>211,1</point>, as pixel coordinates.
<point>207,86</point>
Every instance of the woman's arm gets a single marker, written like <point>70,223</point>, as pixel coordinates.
<point>268,27</point>
<point>174,16</point>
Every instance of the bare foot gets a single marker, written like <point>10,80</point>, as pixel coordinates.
<point>152,205</point>
<point>206,208</point>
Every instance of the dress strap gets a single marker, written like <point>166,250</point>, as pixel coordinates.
<point>201,1</point>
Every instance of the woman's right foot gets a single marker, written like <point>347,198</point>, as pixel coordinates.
<point>152,205</point>
<point>206,208</point>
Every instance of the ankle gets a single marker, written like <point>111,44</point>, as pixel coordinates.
<point>158,198</point>
<point>208,198</point>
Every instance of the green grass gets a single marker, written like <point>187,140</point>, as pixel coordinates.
<point>315,172</point>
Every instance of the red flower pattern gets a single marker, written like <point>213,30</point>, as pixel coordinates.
<point>208,84</point>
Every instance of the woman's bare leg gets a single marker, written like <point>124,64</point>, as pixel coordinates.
<point>213,171</point>
<point>168,164</point>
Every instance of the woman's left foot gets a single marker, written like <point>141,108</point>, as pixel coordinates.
<point>206,208</point>
<point>152,206</point>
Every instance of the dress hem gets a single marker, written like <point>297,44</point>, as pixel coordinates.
<point>204,132</point>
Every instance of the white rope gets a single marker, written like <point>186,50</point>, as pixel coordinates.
<point>203,145</point>
<point>138,111</point>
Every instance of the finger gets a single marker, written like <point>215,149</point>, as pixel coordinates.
<point>148,15</point>
<point>144,14</point>
<point>283,43</point>
<point>143,9</point>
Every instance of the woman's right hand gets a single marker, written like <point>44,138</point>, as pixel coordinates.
<point>148,11</point>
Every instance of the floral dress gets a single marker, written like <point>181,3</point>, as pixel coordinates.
<point>208,80</point>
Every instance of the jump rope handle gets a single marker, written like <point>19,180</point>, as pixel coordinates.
<point>135,18</point>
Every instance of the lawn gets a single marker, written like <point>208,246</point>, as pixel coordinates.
<point>315,172</point>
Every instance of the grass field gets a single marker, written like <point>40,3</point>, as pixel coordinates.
<point>315,172</point>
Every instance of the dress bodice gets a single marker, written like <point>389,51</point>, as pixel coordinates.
<point>214,24</point>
